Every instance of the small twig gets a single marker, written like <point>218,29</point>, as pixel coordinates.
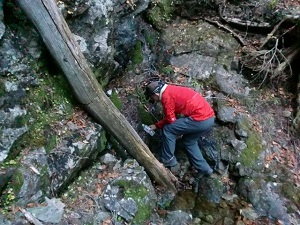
<point>30,217</point>
<point>34,170</point>
<point>288,30</point>
<point>91,197</point>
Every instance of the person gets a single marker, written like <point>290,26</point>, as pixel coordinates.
<point>198,119</point>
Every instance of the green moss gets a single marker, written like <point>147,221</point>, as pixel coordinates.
<point>136,54</point>
<point>151,38</point>
<point>253,150</point>
<point>44,177</point>
<point>137,192</point>
<point>27,140</point>
<point>116,100</point>
<point>102,141</point>
<point>291,192</point>
<point>51,142</point>
<point>2,89</point>
<point>253,142</point>
<point>10,195</point>
<point>145,116</point>
<point>51,101</point>
<point>160,13</point>
<point>102,75</point>
<point>167,70</point>
<point>19,121</point>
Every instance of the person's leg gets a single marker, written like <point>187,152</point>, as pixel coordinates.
<point>190,140</point>
<point>169,134</point>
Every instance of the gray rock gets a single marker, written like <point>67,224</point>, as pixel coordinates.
<point>52,213</point>
<point>249,213</point>
<point>194,65</point>
<point>264,199</point>
<point>8,137</point>
<point>230,82</point>
<point>178,218</point>
<point>226,114</point>
<point>35,173</point>
<point>238,145</point>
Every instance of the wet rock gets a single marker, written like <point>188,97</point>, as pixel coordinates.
<point>211,188</point>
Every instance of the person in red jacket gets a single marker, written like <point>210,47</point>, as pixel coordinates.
<point>198,119</point>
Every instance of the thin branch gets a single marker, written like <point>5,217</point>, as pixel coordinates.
<point>239,38</point>
<point>30,217</point>
<point>270,35</point>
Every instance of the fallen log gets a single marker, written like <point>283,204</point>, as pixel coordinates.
<point>59,40</point>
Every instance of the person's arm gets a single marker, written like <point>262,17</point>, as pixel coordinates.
<point>169,112</point>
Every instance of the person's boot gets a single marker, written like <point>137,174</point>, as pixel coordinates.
<point>175,169</point>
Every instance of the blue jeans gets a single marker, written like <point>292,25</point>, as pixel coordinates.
<point>191,131</point>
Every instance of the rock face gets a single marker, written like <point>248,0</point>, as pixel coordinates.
<point>50,148</point>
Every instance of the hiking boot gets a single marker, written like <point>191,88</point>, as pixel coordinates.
<point>200,175</point>
<point>175,169</point>
<point>214,176</point>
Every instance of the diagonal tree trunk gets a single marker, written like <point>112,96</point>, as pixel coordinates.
<point>58,38</point>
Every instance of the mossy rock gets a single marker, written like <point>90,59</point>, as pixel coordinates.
<point>136,54</point>
<point>253,142</point>
<point>145,116</point>
<point>138,193</point>
<point>2,89</point>
<point>160,13</point>
<point>291,192</point>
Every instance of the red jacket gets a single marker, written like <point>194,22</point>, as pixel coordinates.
<point>181,100</point>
